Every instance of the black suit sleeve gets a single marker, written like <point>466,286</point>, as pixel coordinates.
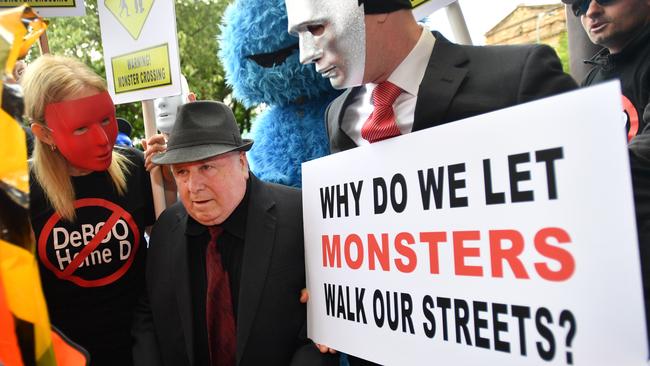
<point>309,355</point>
<point>542,75</point>
<point>145,345</point>
<point>330,128</point>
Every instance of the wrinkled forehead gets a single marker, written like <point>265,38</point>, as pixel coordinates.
<point>220,160</point>
<point>302,13</point>
<point>80,112</point>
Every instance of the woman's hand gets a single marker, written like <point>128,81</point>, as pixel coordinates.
<point>152,146</point>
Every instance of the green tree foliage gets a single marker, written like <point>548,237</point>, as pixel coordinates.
<point>197,23</point>
<point>563,51</point>
<point>198,30</point>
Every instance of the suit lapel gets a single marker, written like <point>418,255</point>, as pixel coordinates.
<point>258,247</point>
<point>339,140</point>
<point>181,273</point>
<point>445,72</point>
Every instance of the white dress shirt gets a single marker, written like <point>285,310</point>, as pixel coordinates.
<point>408,76</point>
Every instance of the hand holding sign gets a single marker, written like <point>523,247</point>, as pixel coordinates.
<point>304,298</point>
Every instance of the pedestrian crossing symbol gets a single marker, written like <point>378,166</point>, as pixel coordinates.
<point>131,14</point>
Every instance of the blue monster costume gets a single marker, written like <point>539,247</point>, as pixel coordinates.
<point>261,63</point>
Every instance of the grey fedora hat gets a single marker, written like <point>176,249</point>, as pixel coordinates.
<point>202,130</point>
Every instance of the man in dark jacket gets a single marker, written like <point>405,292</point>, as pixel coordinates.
<point>622,28</point>
<point>225,265</point>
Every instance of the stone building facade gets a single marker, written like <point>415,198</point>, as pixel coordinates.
<point>530,24</point>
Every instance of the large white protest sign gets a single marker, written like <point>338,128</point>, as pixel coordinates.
<point>503,239</point>
<point>140,49</point>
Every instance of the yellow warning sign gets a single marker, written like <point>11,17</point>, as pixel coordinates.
<point>144,69</point>
<point>132,14</point>
<point>39,4</point>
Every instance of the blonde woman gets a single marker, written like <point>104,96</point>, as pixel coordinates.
<point>90,203</point>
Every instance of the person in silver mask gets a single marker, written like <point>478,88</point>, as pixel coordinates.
<point>165,108</point>
<point>378,52</point>
<point>401,77</point>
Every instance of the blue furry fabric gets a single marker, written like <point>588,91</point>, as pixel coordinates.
<point>261,63</point>
<point>286,136</point>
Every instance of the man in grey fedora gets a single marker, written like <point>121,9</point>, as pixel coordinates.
<point>225,264</point>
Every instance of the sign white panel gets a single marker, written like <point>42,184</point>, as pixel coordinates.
<point>504,239</point>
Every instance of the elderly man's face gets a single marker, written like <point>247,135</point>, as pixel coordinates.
<point>211,189</point>
<point>613,25</point>
<point>332,36</point>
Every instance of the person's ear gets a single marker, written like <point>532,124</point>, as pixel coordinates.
<point>191,97</point>
<point>244,163</point>
<point>42,133</point>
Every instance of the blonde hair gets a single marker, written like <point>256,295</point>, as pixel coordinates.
<point>47,80</point>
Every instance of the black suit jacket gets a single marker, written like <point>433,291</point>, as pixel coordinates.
<point>271,323</point>
<point>465,81</point>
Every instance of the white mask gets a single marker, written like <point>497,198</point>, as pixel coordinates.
<point>165,108</point>
<point>332,35</point>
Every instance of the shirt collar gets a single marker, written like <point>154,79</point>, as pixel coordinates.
<point>235,224</point>
<point>409,74</point>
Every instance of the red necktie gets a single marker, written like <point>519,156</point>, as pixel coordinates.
<point>219,314</point>
<point>381,124</point>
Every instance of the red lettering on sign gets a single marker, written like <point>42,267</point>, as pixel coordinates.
<point>506,248</point>
<point>567,263</point>
<point>498,254</point>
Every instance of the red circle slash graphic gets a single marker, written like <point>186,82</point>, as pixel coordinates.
<point>117,213</point>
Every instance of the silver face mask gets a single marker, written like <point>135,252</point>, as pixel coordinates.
<point>332,35</point>
<point>165,108</point>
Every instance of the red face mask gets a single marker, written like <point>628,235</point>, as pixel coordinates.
<point>84,130</point>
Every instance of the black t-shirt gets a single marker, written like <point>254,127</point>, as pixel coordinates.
<point>92,302</point>
<point>632,67</point>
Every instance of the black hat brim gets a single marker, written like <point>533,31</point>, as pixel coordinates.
<point>124,126</point>
<point>196,153</point>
